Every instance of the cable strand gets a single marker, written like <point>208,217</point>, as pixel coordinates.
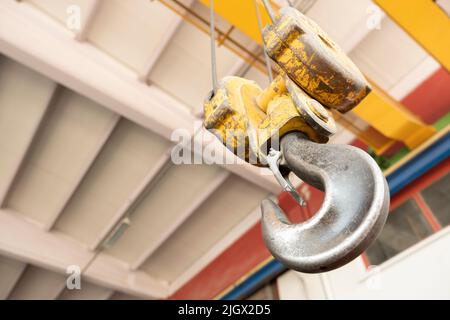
<point>266,56</point>
<point>215,82</point>
<point>269,10</point>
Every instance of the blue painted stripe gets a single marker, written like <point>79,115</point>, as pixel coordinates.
<point>399,179</point>
<point>266,273</point>
<point>422,163</point>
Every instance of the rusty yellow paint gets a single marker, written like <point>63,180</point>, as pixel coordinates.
<point>231,119</point>
<point>391,119</point>
<point>314,62</point>
<point>283,117</point>
<point>248,128</point>
<point>424,21</point>
<point>276,88</point>
<point>242,15</point>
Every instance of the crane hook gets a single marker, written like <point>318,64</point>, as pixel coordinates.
<point>352,215</point>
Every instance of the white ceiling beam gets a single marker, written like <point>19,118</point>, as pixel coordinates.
<point>88,16</point>
<point>25,151</point>
<point>38,284</point>
<point>181,218</point>
<point>100,78</point>
<point>153,59</point>
<point>122,296</point>
<point>154,173</point>
<point>232,236</point>
<point>27,242</point>
<point>10,272</point>
<point>110,272</point>
<point>90,159</point>
<point>88,291</point>
<point>358,33</point>
<point>169,33</point>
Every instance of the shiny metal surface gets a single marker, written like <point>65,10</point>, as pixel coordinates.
<point>352,215</point>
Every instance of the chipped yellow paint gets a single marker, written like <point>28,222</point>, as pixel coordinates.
<point>276,88</point>
<point>226,115</point>
<point>314,62</point>
<point>247,120</point>
<point>283,117</point>
<point>317,65</point>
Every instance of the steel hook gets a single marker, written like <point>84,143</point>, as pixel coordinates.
<point>352,215</point>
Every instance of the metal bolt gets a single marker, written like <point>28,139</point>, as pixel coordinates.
<point>318,110</point>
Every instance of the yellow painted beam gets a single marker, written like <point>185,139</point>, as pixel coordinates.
<point>424,21</point>
<point>427,24</point>
<point>391,119</point>
<point>242,15</point>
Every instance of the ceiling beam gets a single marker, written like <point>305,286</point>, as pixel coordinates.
<point>88,291</point>
<point>38,124</point>
<point>89,161</point>
<point>231,237</point>
<point>38,284</point>
<point>151,177</point>
<point>10,273</point>
<point>100,78</point>
<point>110,272</point>
<point>153,59</point>
<point>27,242</point>
<point>164,42</point>
<point>87,19</point>
<point>181,218</point>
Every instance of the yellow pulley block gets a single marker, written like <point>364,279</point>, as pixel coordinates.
<point>316,75</point>
<point>249,120</point>
<point>314,62</point>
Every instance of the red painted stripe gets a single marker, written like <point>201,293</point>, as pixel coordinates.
<point>241,257</point>
<point>296,213</point>
<point>431,100</point>
<point>365,260</point>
